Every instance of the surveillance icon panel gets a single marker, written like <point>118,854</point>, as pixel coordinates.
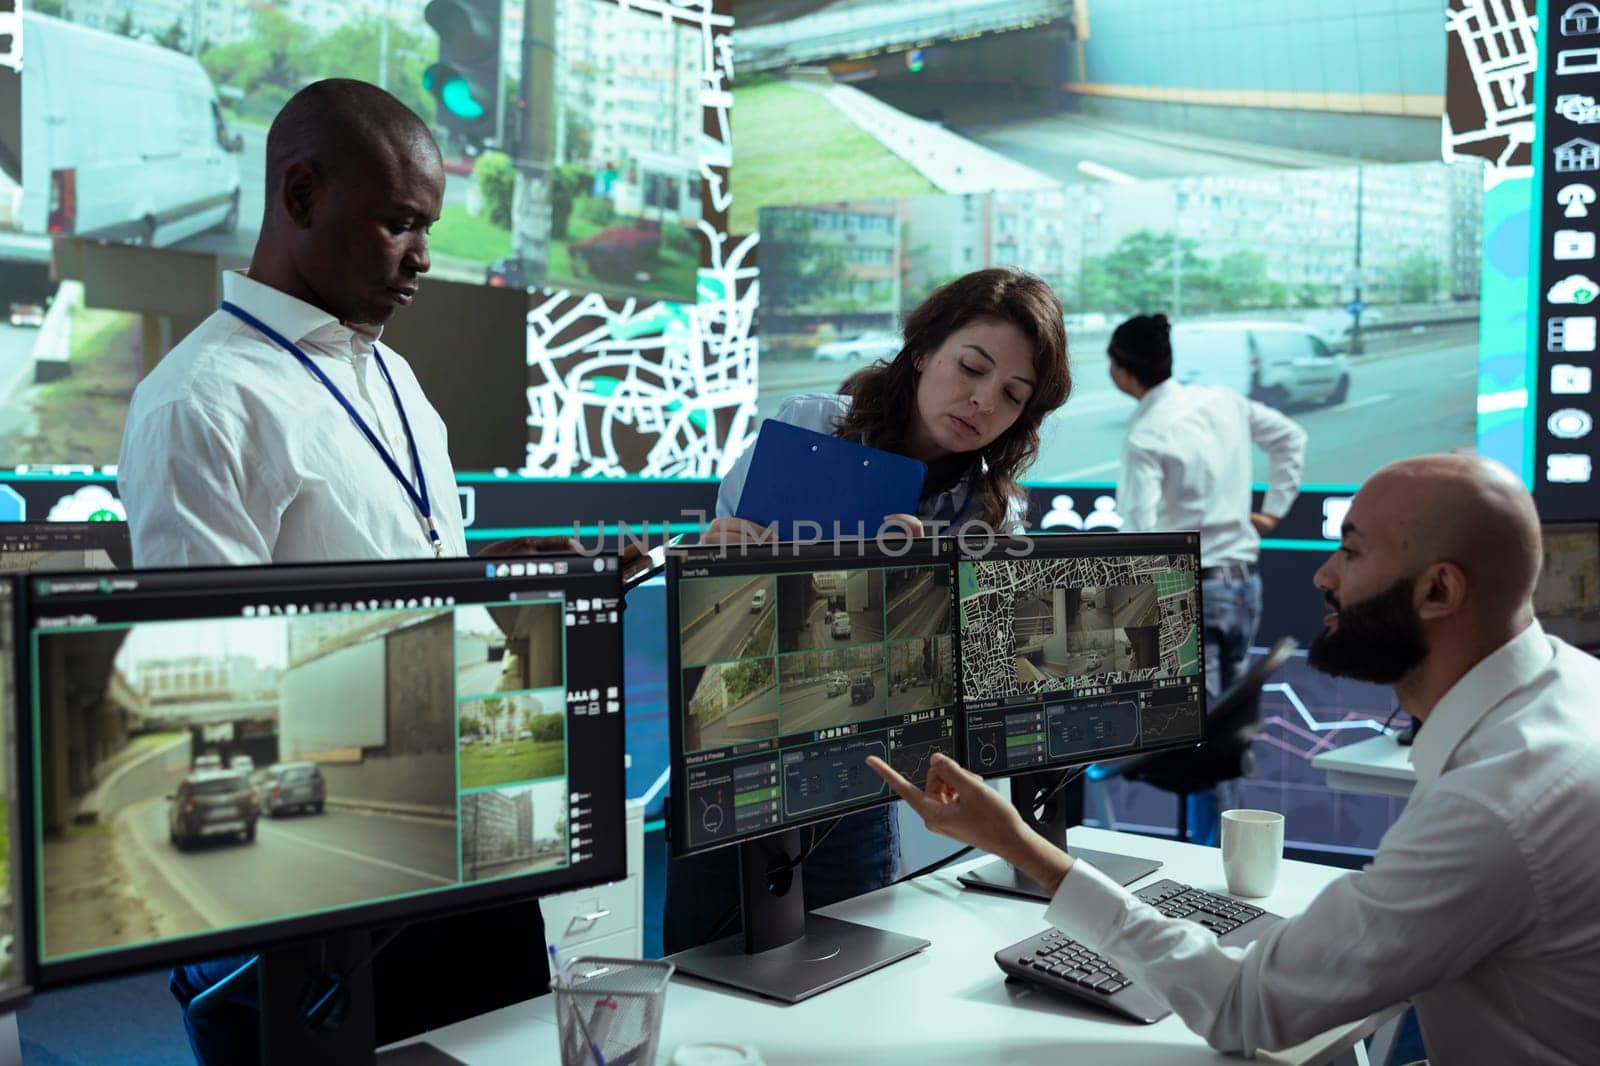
<point>1575,199</point>
<point>1571,244</point>
<point>1570,423</point>
<point>1573,289</point>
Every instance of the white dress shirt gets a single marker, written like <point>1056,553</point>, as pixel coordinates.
<point>822,413</point>
<point>1480,904</point>
<point>235,453</point>
<point>1186,465</point>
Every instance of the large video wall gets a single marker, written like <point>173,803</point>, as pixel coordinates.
<point>1332,207</point>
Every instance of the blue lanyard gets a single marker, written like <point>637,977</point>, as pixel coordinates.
<point>419,492</point>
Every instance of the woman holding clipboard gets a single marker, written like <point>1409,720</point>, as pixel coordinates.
<point>984,361</point>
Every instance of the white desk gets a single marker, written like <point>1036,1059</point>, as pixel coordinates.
<point>1377,765</point>
<point>948,1004</point>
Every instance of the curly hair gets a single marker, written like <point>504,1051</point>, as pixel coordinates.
<point>884,395</point>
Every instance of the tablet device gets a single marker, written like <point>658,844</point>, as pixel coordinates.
<point>797,475</point>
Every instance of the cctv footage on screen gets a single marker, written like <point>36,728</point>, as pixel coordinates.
<point>791,679</point>
<point>229,757</point>
<point>1065,659</point>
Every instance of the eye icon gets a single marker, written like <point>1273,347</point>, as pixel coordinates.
<point>1570,423</point>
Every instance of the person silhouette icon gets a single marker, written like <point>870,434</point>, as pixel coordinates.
<point>1062,515</point>
<point>1105,514</point>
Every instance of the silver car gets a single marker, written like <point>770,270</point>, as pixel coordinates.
<point>291,786</point>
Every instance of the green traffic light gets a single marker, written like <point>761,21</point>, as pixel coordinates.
<point>456,95</point>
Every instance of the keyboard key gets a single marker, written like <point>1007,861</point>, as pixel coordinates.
<point>1107,985</point>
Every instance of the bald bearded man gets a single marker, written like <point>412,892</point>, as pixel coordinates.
<point>1479,904</point>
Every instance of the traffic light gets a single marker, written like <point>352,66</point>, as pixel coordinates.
<point>465,81</point>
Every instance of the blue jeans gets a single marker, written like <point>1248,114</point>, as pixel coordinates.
<point>1232,613</point>
<point>861,854</point>
<point>231,1031</point>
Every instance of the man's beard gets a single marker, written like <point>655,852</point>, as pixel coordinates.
<point>1378,639</point>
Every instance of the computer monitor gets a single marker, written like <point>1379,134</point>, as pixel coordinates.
<point>1567,598</point>
<point>65,546</point>
<point>240,759</point>
<point>15,974</point>
<point>1076,648</point>
<point>788,666</point>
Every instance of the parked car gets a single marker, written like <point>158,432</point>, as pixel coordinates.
<point>873,344</point>
<point>291,786</point>
<point>758,602</point>
<point>207,762</point>
<point>126,139</point>
<point>212,803</point>
<point>244,764</point>
<point>1278,363</point>
<point>837,684</point>
<point>841,626</point>
<point>862,688</point>
<point>526,734</point>
<point>27,315</point>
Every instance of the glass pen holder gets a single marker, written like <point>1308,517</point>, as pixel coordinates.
<point>608,1011</point>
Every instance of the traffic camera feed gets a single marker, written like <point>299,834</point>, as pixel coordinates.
<point>247,769</point>
<point>790,680</point>
<point>1287,207</point>
<point>581,173</point>
<point>1091,647</point>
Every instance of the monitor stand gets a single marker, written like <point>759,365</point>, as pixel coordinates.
<point>783,952</point>
<point>295,981</point>
<point>1051,823</point>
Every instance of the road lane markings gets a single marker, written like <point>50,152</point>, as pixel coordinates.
<point>280,831</point>
<point>1105,173</point>
<point>1382,397</point>
<point>191,893</point>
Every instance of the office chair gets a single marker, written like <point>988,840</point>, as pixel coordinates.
<point>1225,754</point>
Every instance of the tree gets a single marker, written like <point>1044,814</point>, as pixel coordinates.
<point>47,7</point>
<point>566,184</point>
<point>274,55</point>
<point>1242,281</point>
<point>354,50</point>
<point>126,28</point>
<point>580,138</point>
<point>1138,271</point>
<point>798,272</point>
<point>173,36</point>
<point>496,179</point>
<point>1418,278</point>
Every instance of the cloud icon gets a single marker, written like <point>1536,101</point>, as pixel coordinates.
<point>1573,289</point>
<point>89,504</point>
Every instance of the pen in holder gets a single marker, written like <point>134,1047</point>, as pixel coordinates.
<point>608,1011</point>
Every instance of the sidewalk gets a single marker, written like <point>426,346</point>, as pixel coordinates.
<point>949,160</point>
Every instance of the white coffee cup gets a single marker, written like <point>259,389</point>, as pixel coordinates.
<point>1252,850</point>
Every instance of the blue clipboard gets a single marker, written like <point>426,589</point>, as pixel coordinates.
<point>797,475</point>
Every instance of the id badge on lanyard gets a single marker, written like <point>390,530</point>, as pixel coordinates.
<point>418,492</point>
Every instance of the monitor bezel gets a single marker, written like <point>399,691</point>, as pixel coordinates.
<point>117,960</point>
<point>1084,544</point>
<point>795,555</point>
<point>1589,526</point>
<point>23,949</point>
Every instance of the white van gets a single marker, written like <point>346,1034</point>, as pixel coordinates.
<point>121,140</point>
<point>1277,363</point>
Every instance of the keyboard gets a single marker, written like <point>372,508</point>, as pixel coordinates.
<point>1052,960</point>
